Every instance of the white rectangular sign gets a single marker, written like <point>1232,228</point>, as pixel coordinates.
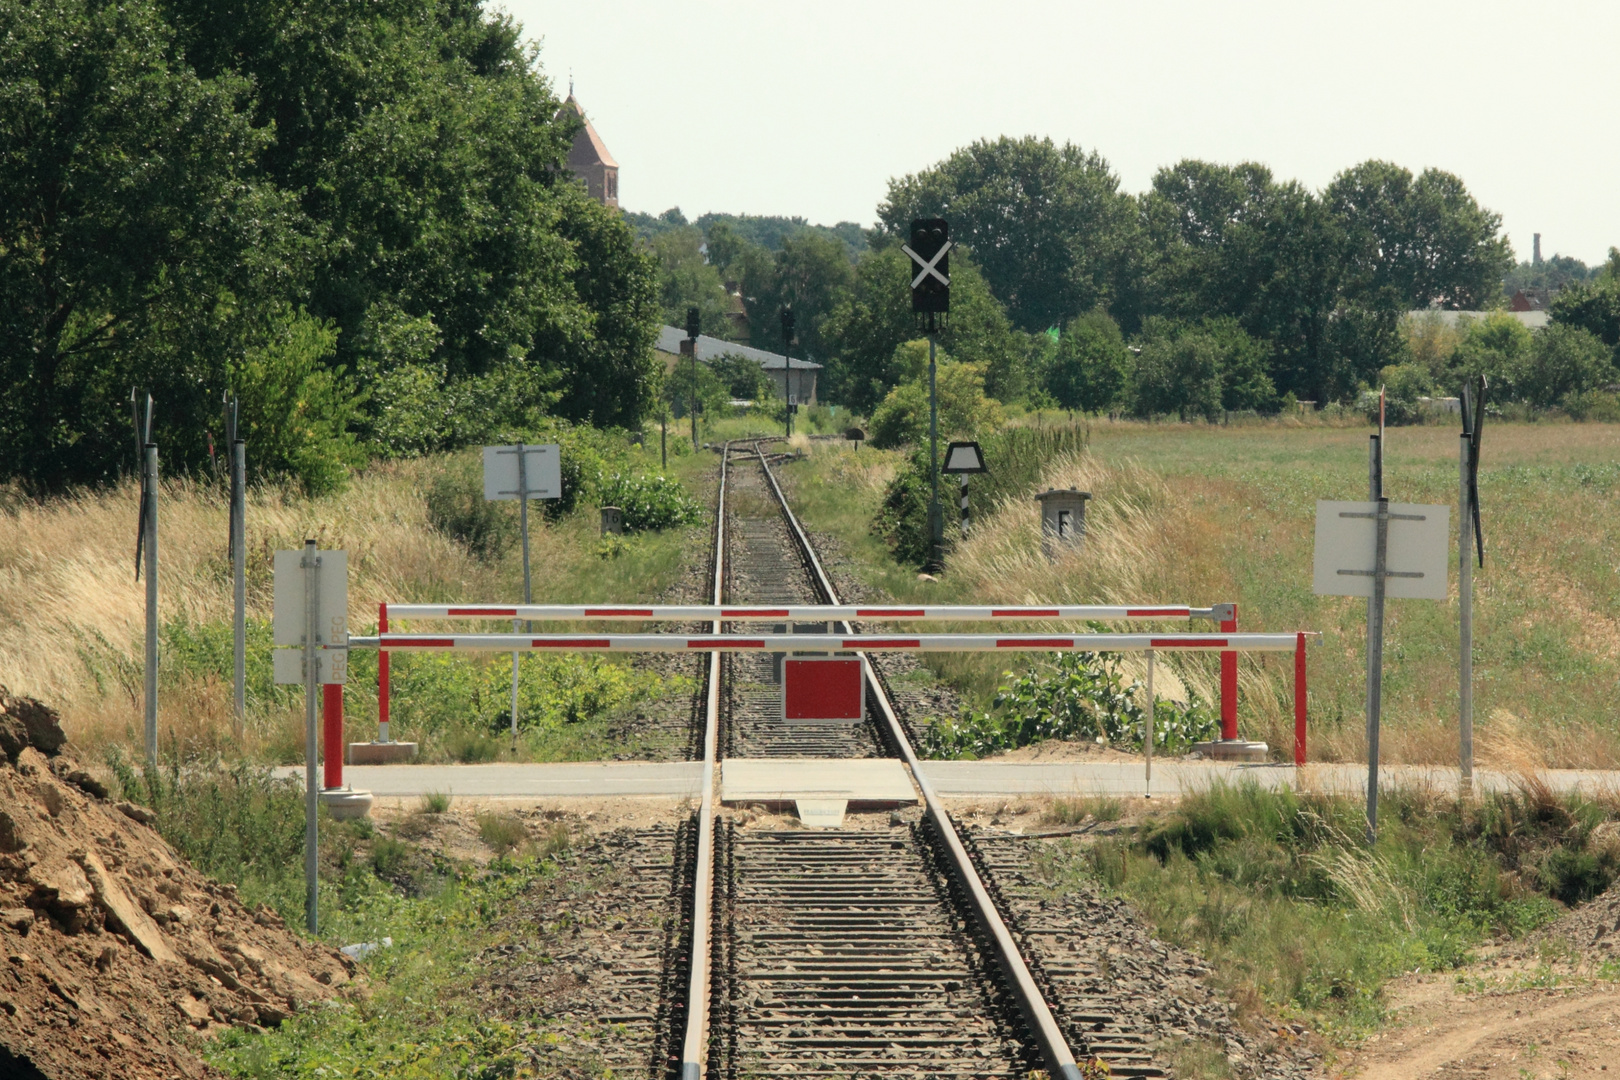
<point>1415,560</point>
<point>332,665</point>
<point>542,467</point>
<point>288,620</point>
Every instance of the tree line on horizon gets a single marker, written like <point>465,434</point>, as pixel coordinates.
<point>1219,288</point>
<point>356,216</point>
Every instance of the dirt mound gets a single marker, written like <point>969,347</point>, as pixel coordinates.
<point>116,950</point>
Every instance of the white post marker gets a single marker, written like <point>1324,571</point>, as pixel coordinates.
<point>522,472</point>
<point>1380,550</point>
<point>311,613</point>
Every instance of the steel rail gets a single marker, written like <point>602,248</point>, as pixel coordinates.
<point>1042,1024</point>
<point>769,642</point>
<point>802,612</point>
<point>695,1046</point>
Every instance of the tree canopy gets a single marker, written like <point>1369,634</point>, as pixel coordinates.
<point>193,188</point>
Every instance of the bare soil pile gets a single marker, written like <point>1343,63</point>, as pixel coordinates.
<point>117,953</point>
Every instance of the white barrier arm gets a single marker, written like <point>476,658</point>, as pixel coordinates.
<point>824,642</point>
<point>802,613</point>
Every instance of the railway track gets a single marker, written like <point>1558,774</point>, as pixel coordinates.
<point>874,949</point>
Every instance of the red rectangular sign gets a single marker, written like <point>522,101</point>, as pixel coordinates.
<point>822,689</point>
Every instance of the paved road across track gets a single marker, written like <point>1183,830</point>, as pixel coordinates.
<point>953,779</point>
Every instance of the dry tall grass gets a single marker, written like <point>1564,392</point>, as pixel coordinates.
<point>1216,516</point>
<point>72,615</point>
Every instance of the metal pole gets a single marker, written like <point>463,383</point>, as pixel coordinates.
<point>936,519</point>
<point>1147,743</point>
<point>1465,604</point>
<point>1300,701</point>
<point>663,440</point>
<point>239,574</point>
<point>523,527</point>
<point>1375,665</point>
<point>150,495</point>
<point>694,396</point>
<point>312,621</point>
<point>964,481</point>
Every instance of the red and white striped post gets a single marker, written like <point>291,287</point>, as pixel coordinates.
<point>332,733</point>
<point>382,675</point>
<point>1299,700</point>
<point>1229,682</point>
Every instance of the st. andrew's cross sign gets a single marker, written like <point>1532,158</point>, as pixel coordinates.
<point>929,251</point>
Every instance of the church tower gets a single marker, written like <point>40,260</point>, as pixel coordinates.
<point>589,159</point>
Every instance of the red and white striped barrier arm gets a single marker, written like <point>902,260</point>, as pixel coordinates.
<point>824,642</point>
<point>800,613</point>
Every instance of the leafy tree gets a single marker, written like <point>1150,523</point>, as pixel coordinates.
<point>1424,240</point>
<point>1555,273</point>
<point>744,378</point>
<point>1498,347</point>
<point>1046,224</point>
<point>686,280</point>
<point>1404,387</point>
<point>1199,370</point>
<point>1594,306</point>
<point>964,411</point>
<point>296,410</point>
<point>875,318</point>
<point>132,238</point>
<point>1092,365</point>
<point>1564,361</point>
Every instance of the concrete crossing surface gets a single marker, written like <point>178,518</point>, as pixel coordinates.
<point>952,779</point>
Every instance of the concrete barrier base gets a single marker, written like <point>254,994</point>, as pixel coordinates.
<point>380,753</point>
<point>346,803</point>
<point>1233,750</point>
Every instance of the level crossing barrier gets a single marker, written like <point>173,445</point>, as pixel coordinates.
<point>1225,615</point>
<point>1150,643</point>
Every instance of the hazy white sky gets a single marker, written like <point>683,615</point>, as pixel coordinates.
<point>809,108</point>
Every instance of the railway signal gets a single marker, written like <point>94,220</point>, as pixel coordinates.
<point>929,252</point>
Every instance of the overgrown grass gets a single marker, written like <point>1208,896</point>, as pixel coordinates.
<point>416,1018</point>
<point>1077,811</point>
<point>1280,892</point>
<point>74,614</point>
<point>1194,513</point>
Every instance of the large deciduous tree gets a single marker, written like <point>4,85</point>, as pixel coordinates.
<point>1046,224</point>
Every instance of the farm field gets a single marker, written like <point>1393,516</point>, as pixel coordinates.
<point>1200,514</point>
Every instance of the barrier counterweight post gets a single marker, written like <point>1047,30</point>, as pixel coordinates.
<point>1229,682</point>
<point>1299,701</point>
<point>382,676</point>
<point>332,730</point>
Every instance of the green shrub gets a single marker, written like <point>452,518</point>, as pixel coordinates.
<point>1082,696</point>
<point>1017,457</point>
<point>434,802</point>
<point>456,507</point>
<point>649,502</point>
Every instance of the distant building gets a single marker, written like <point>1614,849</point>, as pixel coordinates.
<point>797,385</point>
<point>1532,319</point>
<point>1531,300</point>
<point>589,159</point>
